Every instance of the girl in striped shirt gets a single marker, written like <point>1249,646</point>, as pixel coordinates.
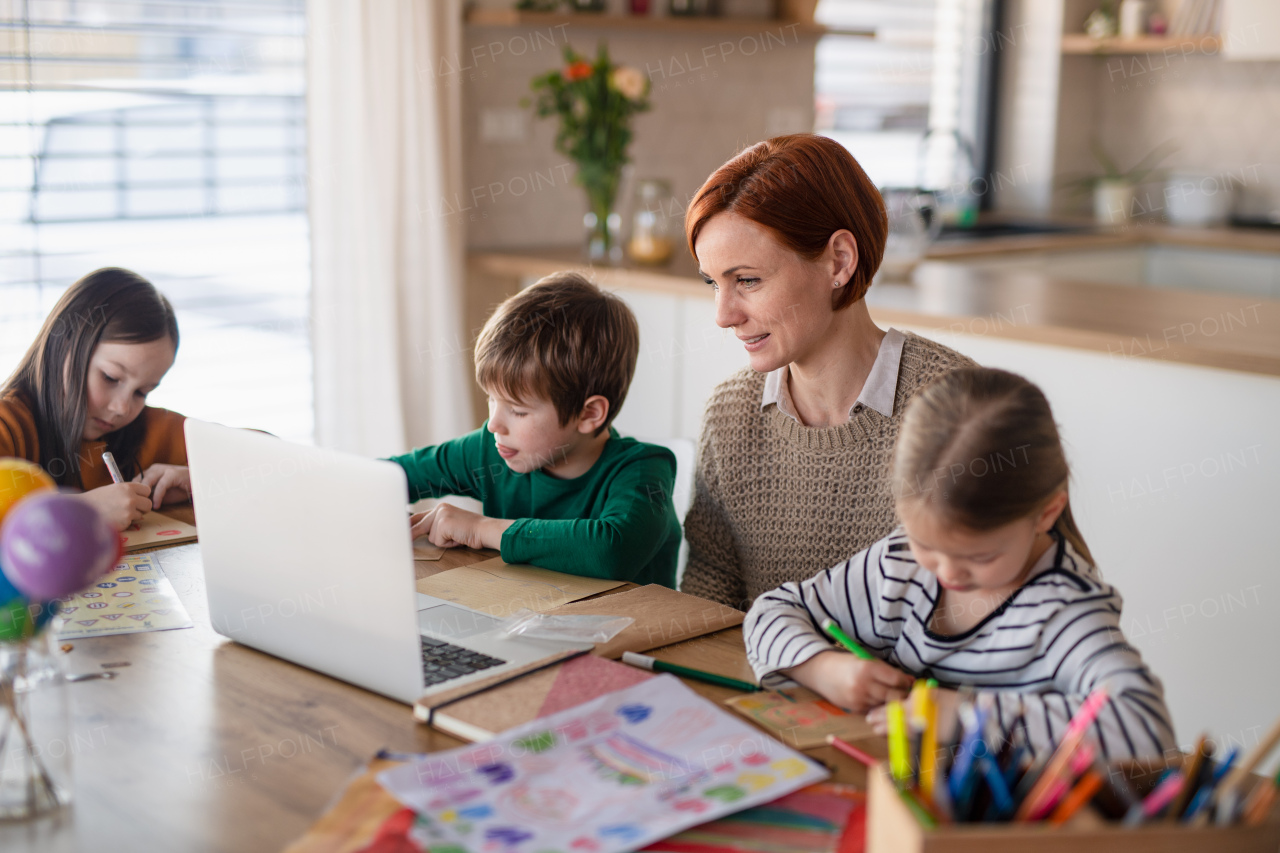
<point>987,584</point>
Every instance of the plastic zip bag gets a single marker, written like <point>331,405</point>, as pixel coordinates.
<point>577,629</point>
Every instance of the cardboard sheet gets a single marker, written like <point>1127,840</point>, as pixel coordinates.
<point>500,589</point>
<point>424,550</point>
<point>663,616</point>
<point>156,529</point>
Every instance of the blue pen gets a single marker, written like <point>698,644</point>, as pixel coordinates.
<point>1201,799</point>
<point>1001,799</point>
<point>971,718</point>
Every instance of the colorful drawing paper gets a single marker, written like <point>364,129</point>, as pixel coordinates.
<point>800,718</point>
<point>607,776</point>
<point>822,818</point>
<point>134,596</point>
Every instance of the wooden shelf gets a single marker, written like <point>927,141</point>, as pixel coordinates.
<point>1081,44</point>
<point>488,17</point>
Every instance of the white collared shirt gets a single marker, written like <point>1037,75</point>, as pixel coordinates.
<point>878,391</point>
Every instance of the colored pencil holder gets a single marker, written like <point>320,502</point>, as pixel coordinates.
<point>892,828</point>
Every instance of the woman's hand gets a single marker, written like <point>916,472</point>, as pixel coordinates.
<point>168,483</point>
<point>850,682</point>
<point>121,504</point>
<point>447,526</point>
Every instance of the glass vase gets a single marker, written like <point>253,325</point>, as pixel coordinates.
<point>602,222</point>
<point>35,746</point>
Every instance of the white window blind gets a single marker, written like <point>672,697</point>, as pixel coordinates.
<point>922,73</point>
<point>168,137</point>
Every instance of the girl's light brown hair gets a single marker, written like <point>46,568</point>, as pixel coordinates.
<point>803,188</point>
<point>979,446</point>
<point>561,339</point>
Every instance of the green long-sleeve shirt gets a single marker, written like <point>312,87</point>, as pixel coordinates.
<point>615,521</point>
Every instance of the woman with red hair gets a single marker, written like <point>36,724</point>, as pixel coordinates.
<point>793,460</point>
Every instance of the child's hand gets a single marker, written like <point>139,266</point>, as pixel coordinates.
<point>168,483</point>
<point>852,683</point>
<point>447,526</point>
<point>947,702</point>
<point>121,504</point>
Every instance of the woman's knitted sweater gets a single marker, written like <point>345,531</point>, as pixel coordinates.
<point>775,501</point>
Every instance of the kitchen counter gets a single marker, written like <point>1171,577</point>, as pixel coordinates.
<point>1229,239</point>
<point>1206,329</point>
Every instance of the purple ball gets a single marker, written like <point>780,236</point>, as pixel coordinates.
<point>54,544</point>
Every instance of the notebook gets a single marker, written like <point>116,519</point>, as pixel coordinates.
<point>156,529</point>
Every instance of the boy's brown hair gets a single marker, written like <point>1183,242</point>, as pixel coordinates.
<point>562,339</point>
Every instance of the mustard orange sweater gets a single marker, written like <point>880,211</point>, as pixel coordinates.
<point>162,442</point>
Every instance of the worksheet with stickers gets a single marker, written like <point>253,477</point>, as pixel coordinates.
<point>610,775</point>
<point>132,597</point>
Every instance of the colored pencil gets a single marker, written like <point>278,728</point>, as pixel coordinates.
<point>1230,786</point>
<point>852,751</point>
<point>899,747</point>
<point>1156,800</point>
<point>646,662</point>
<point>1196,765</point>
<point>929,744</point>
<point>1082,793</point>
<point>845,640</point>
<point>1198,810</point>
<point>1071,741</point>
<point>1259,804</point>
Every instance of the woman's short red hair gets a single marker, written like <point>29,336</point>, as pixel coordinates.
<point>803,188</point>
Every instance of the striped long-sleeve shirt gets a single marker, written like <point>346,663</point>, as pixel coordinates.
<point>1039,654</point>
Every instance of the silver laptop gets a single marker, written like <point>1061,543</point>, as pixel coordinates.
<point>307,557</point>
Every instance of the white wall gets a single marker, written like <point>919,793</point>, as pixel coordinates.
<point>1175,480</point>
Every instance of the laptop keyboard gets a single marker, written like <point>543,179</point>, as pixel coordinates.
<point>443,661</point>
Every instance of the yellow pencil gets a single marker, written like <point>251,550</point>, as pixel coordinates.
<point>929,745</point>
<point>899,750</point>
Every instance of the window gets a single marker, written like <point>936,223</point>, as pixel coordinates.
<point>168,137</point>
<point>913,102</point>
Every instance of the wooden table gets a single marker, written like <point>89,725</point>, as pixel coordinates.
<point>203,744</point>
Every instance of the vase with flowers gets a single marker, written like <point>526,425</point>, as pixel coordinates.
<point>594,102</point>
<point>51,546</point>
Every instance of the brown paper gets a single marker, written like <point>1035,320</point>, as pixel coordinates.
<point>663,616</point>
<point>424,550</point>
<point>500,589</point>
<point>155,529</point>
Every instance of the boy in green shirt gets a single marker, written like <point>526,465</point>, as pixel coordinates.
<point>560,488</point>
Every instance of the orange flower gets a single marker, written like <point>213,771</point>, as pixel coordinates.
<point>578,71</point>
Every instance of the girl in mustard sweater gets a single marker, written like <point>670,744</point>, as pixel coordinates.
<point>82,387</point>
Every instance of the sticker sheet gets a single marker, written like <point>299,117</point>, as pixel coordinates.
<point>607,776</point>
<point>134,596</point>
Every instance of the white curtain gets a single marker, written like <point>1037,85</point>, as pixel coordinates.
<point>387,268</point>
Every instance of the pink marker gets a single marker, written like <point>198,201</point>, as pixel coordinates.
<point>1080,762</point>
<point>1156,800</point>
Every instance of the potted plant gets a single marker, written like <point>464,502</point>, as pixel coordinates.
<point>1113,190</point>
<point>594,102</point>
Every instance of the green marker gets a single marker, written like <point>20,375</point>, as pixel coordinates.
<point>845,640</point>
<point>646,662</point>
